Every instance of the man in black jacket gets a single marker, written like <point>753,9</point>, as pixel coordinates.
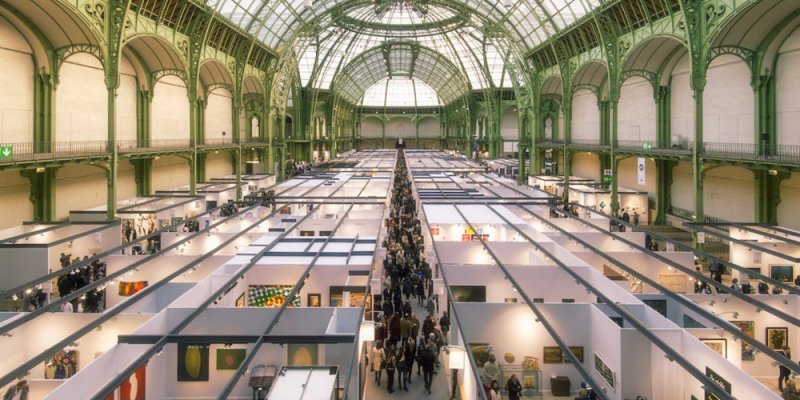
<point>427,360</point>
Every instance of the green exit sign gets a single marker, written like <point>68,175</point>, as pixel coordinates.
<point>6,152</point>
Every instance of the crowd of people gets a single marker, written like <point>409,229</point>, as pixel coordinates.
<point>297,167</point>
<point>401,341</point>
<point>78,278</point>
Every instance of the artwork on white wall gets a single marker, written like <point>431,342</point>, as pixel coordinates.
<point>674,283</point>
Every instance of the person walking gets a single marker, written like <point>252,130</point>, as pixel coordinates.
<point>18,391</point>
<point>401,369</point>
<point>514,388</point>
<point>378,361</point>
<point>411,356</point>
<point>444,324</point>
<point>427,360</point>
<point>494,391</point>
<point>391,366</point>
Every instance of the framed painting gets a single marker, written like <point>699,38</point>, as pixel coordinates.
<point>314,300</point>
<point>781,273</point>
<point>577,351</point>
<point>552,355</point>
<point>530,363</point>
<point>62,365</point>
<point>604,370</point>
<point>510,300</point>
<point>230,358</point>
<point>754,270</point>
<point>270,296</point>
<point>192,362</point>
<point>777,337</point>
<point>302,354</point>
<point>718,345</point>
<point>749,328</point>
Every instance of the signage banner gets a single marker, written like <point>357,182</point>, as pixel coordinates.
<point>641,170</point>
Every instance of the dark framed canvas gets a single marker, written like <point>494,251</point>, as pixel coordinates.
<point>719,380</point>
<point>302,354</point>
<point>230,358</point>
<point>776,338</point>
<point>718,345</point>
<point>552,355</point>
<point>192,362</point>
<point>604,370</point>
<point>314,300</point>
<point>510,299</point>
<point>781,273</point>
<point>468,294</point>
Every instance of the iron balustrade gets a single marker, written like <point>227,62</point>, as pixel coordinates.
<point>586,142</point>
<point>751,151</point>
<point>214,142</point>
<point>30,151</point>
<point>637,144</point>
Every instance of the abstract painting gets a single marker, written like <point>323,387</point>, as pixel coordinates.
<point>777,337</point>
<point>781,273</point>
<point>270,296</point>
<point>718,345</point>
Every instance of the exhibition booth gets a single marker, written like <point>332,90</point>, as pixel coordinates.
<point>215,194</point>
<point>773,253</point>
<point>553,184</point>
<point>255,182</point>
<point>599,199</point>
<point>39,251</point>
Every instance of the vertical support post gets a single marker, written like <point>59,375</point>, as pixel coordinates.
<point>143,170</point>
<point>43,193</point>
<point>44,106</point>
<point>614,102</point>
<point>113,149</point>
<point>663,190</point>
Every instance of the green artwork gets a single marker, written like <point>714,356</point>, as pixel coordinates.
<point>230,358</point>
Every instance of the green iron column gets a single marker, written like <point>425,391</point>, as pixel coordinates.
<point>43,113</point>
<point>605,139</point>
<point>567,138</point>
<point>768,194</point>
<point>237,140</point>
<point>664,170</point>
<point>143,172</point>
<point>144,117</point>
<point>43,193</point>
<point>614,130</point>
<point>534,125</point>
<point>200,164</point>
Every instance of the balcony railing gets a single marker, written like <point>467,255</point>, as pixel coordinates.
<point>750,151</point>
<point>130,146</point>
<point>43,151</point>
<point>217,142</point>
<point>585,142</point>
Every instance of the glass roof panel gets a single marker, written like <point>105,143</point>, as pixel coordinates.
<point>400,92</point>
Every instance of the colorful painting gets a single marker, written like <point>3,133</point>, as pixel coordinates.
<point>435,231</point>
<point>749,328</point>
<point>62,365</point>
<point>552,355</point>
<point>781,273</point>
<point>134,387</point>
<point>718,345</point>
<point>302,354</point>
<point>192,362</point>
<point>530,363</point>
<point>127,289</point>
<point>270,296</point>
<point>314,300</point>
<point>777,338</point>
<point>230,358</point>
<point>529,381</point>
<point>577,351</point>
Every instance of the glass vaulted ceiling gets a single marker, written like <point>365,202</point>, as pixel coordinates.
<point>331,33</point>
